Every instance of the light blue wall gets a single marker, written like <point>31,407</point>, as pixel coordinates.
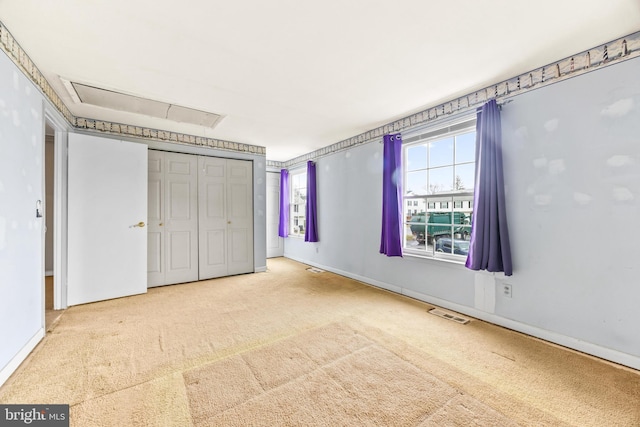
<point>349,217</point>
<point>572,156</point>
<point>572,172</point>
<point>21,185</point>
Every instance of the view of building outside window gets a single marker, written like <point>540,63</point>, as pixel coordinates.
<point>298,202</point>
<point>438,193</point>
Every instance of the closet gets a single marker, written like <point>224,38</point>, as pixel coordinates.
<point>200,218</point>
<point>225,217</point>
<point>172,218</point>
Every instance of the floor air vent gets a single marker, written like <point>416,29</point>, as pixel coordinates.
<point>449,316</point>
<point>315,270</point>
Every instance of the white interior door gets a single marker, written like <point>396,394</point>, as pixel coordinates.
<point>107,211</point>
<point>275,243</point>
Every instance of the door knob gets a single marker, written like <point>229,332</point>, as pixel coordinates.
<point>140,224</point>
<point>228,222</point>
<point>161,224</point>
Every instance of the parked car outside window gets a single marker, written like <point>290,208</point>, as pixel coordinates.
<point>460,247</point>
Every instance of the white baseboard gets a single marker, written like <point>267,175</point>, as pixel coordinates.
<point>48,273</point>
<point>553,337</point>
<point>261,269</point>
<point>366,280</point>
<point>13,364</point>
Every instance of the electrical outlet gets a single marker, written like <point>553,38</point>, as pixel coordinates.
<point>507,291</point>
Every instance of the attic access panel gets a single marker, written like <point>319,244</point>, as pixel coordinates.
<point>148,107</point>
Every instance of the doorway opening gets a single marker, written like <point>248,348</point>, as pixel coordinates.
<point>55,212</point>
<point>50,314</point>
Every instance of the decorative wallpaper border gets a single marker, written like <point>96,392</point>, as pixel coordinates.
<point>275,164</point>
<point>164,136</point>
<point>14,51</point>
<point>615,51</point>
<point>606,54</point>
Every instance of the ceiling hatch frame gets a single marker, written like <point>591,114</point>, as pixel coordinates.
<point>113,100</point>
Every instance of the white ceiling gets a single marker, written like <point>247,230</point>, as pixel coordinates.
<point>295,75</point>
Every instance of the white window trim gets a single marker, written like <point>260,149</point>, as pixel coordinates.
<point>425,135</point>
<point>292,173</point>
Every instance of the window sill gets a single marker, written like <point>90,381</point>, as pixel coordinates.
<point>296,236</point>
<point>439,259</point>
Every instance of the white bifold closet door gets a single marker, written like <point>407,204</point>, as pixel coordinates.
<point>225,188</point>
<point>173,218</point>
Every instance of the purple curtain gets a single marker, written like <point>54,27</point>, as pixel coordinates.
<point>391,239</point>
<point>490,249</point>
<point>311,230</point>
<point>283,224</point>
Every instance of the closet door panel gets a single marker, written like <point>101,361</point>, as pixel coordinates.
<point>240,216</point>
<point>154,260</point>
<point>181,217</point>
<point>155,219</point>
<point>216,256</point>
<point>179,258</point>
<point>212,194</point>
<point>239,250</point>
<point>215,202</point>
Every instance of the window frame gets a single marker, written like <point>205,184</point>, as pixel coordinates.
<point>296,208</point>
<point>433,202</point>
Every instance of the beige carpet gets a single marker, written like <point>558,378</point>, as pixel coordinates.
<point>330,376</point>
<point>291,347</point>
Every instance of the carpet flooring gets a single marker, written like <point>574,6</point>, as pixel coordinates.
<point>289,347</point>
<point>332,375</point>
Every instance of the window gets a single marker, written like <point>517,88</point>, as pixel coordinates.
<point>297,203</point>
<point>439,175</point>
